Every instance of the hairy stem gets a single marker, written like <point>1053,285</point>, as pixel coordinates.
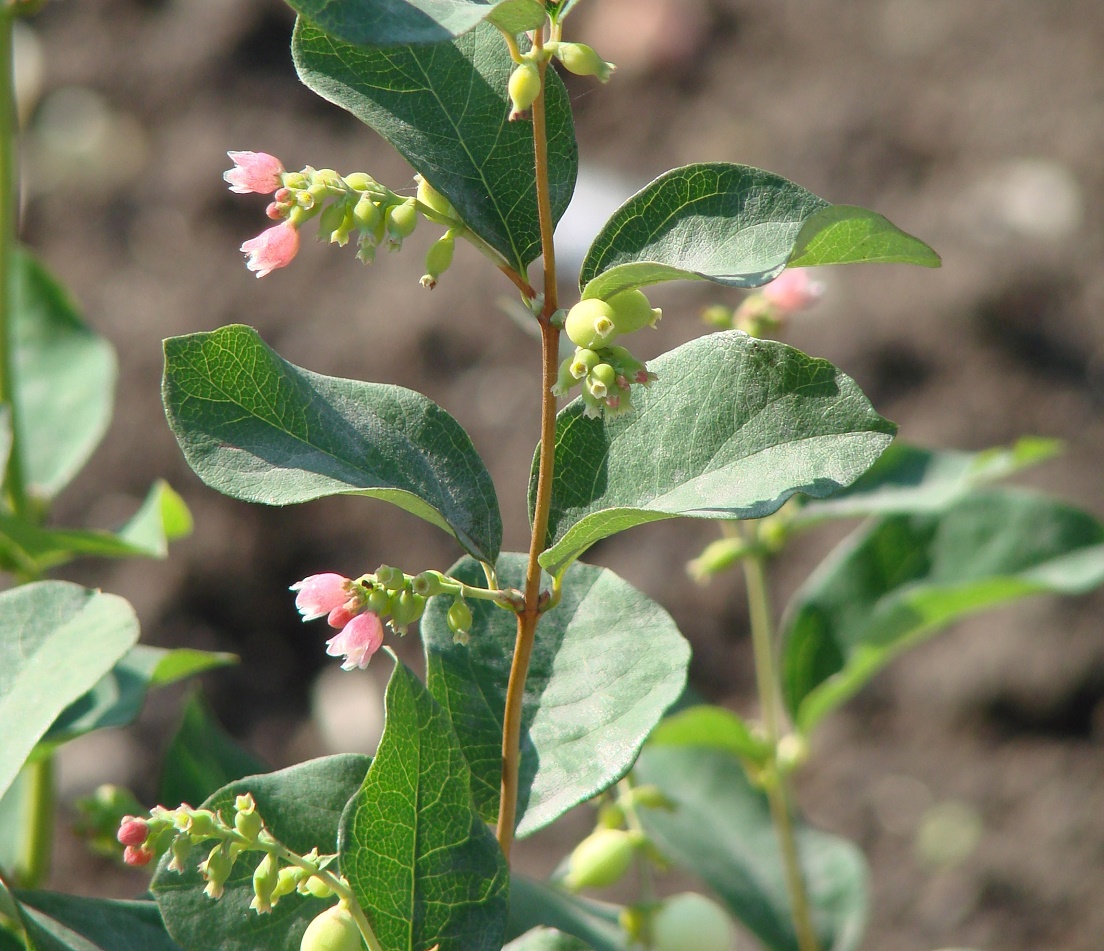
<point>765,676</point>
<point>530,614</point>
<point>9,199</point>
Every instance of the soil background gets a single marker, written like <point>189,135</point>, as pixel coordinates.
<point>971,771</point>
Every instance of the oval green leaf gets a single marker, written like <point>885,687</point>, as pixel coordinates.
<point>65,380</point>
<point>607,662</point>
<point>844,234</point>
<point>444,107</point>
<point>905,577</point>
<point>302,806</point>
<point>260,429</point>
<point>411,22</point>
<point>56,640</point>
<point>720,829</point>
<point>733,225</point>
<point>421,861</point>
<point>534,903</point>
<point>732,428</point>
<point>57,922</point>
<point>713,727</point>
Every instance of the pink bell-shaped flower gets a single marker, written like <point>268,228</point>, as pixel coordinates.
<point>357,641</point>
<point>318,595</point>
<point>254,172</point>
<point>272,249</point>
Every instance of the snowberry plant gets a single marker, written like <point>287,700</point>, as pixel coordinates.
<point>551,682</point>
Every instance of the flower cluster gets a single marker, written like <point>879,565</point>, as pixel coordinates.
<point>344,205</point>
<point>605,370</point>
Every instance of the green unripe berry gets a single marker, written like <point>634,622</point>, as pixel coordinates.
<point>459,617</point>
<point>402,219</point>
<point>367,214</point>
<point>378,601</point>
<point>333,930</point>
<point>428,584</point>
<point>601,381</point>
<point>359,181</point>
<point>524,88</point>
<point>631,311</point>
<point>580,59</point>
<point>390,578</point>
<point>583,362</point>
<point>590,325</point>
<point>406,608</point>
<point>565,379</point>
<point>600,859</point>
<point>438,258</point>
<point>691,922</point>
<point>433,199</point>
<point>316,887</point>
<point>287,882</point>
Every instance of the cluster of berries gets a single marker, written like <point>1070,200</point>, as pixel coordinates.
<point>344,205</point>
<point>605,371</point>
<point>525,80</point>
<point>358,608</point>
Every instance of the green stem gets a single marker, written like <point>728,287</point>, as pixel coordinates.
<point>530,614</point>
<point>33,863</point>
<point>763,648</point>
<point>9,198</point>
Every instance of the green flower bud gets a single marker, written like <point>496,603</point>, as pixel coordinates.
<point>433,199</point>
<point>600,859</point>
<point>438,258</point>
<point>590,325</point>
<point>566,379</point>
<point>366,214</point>
<point>359,181</point>
<point>391,578</point>
<point>459,617</point>
<point>199,824</point>
<point>583,362</point>
<point>524,88</point>
<point>580,59</point>
<point>601,381</point>
<point>330,219</point>
<point>246,819</point>
<point>286,882</point>
<point>378,601</point>
<point>181,848</point>
<point>406,608</point>
<point>631,311</point>
<point>402,219</point>
<point>217,870</point>
<point>265,878</point>
<point>333,930</point>
<point>592,405</point>
<point>691,922</point>
<point>316,887</point>
<point>428,584</point>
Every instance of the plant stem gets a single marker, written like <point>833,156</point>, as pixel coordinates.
<point>9,199</point>
<point>33,862</point>
<point>763,647</point>
<point>530,614</point>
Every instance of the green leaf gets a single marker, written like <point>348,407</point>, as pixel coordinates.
<point>542,903</point>
<point>445,108</point>
<point>302,807</point>
<point>162,518</point>
<point>56,640</point>
<point>202,757</point>
<point>65,377</point>
<point>737,226</point>
<point>844,234</point>
<point>908,479</point>
<point>258,428</point>
<point>117,697</point>
<point>57,922</point>
<point>904,577</point>
<point>403,22</point>
<point>721,831</point>
<point>733,427</point>
<point>422,863</point>
<point>713,727</point>
<point>607,662</point>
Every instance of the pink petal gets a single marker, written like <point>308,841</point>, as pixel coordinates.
<point>133,831</point>
<point>344,613</point>
<point>320,594</point>
<point>357,641</point>
<point>256,172</point>
<point>793,290</point>
<point>272,249</point>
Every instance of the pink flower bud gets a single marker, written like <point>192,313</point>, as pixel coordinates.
<point>137,856</point>
<point>357,641</point>
<point>272,249</point>
<point>275,210</point>
<point>254,172</point>
<point>132,831</point>
<point>793,290</point>
<point>344,613</point>
<point>318,595</point>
